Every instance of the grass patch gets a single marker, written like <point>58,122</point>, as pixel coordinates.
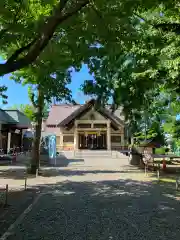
<point>168,180</point>
<point>160,150</point>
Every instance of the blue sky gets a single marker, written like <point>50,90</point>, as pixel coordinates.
<point>18,94</point>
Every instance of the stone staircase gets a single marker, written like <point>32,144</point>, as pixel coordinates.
<point>89,158</point>
<point>93,153</point>
<point>81,154</point>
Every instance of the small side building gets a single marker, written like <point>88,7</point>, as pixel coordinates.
<point>13,123</point>
<point>149,146</point>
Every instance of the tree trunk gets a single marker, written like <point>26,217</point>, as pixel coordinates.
<point>35,161</point>
<point>136,160</point>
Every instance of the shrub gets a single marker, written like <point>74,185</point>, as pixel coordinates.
<point>160,150</point>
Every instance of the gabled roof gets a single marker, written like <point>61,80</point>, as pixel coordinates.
<point>19,118</point>
<point>76,113</point>
<point>60,112</point>
<point>110,115</point>
<point>14,117</point>
<point>68,122</point>
<point>152,142</point>
<point>5,118</point>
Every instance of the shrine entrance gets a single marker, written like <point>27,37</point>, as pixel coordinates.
<point>92,140</point>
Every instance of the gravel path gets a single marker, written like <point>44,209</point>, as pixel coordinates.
<point>18,201</point>
<point>103,210</point>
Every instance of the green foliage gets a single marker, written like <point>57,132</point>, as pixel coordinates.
<point>125,44</point>
<point>140,136</point>
<point>171,124</point>
<point>50,74</point>
<point>26,28</point>
<point>176,130</point>
<point>52,85</point>
<point>4,97</point>
<point>142,76</point>
<point>47,78</point>
<point>155,132</point>
<point>160,150</point>
<point>134,55</point>
<point>160,62</point>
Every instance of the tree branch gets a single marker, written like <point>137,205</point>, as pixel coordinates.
<point>3,31</point>
<point>169,27</point>
<point>75,10</point>
<point>32,98</point>
<point>96,10</point>
<point>140,17</point>
<point>143,19</point>
<point>15,55</point>
<point>63,4</point>
<point>44,37</point>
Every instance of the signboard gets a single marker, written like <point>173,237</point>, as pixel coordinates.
<point>52,146</point>
<point>17,131</point>
<point>91,133</point>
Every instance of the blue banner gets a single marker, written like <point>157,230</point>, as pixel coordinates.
<point>52,146</point>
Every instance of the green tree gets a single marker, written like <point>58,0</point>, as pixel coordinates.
<point>133,76</point>
<point>154,132</point>
<point>157,51</point>
<point>26,27</point>
<point>46,80</point>
<point>124,51</point>
<point>176,130</point>
<point>3,95</point>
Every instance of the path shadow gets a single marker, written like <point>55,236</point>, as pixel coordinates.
<point>121,209</point>
<point>77,172</point>
<point>20,173</point>
<point>17,170</point>
<point>17,201</point>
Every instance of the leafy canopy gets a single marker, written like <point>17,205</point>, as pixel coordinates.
<point>26,27</point>
<point>134,72</point>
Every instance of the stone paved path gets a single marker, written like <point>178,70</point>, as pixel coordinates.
<point>111,209</point>
<point>97,203</point>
